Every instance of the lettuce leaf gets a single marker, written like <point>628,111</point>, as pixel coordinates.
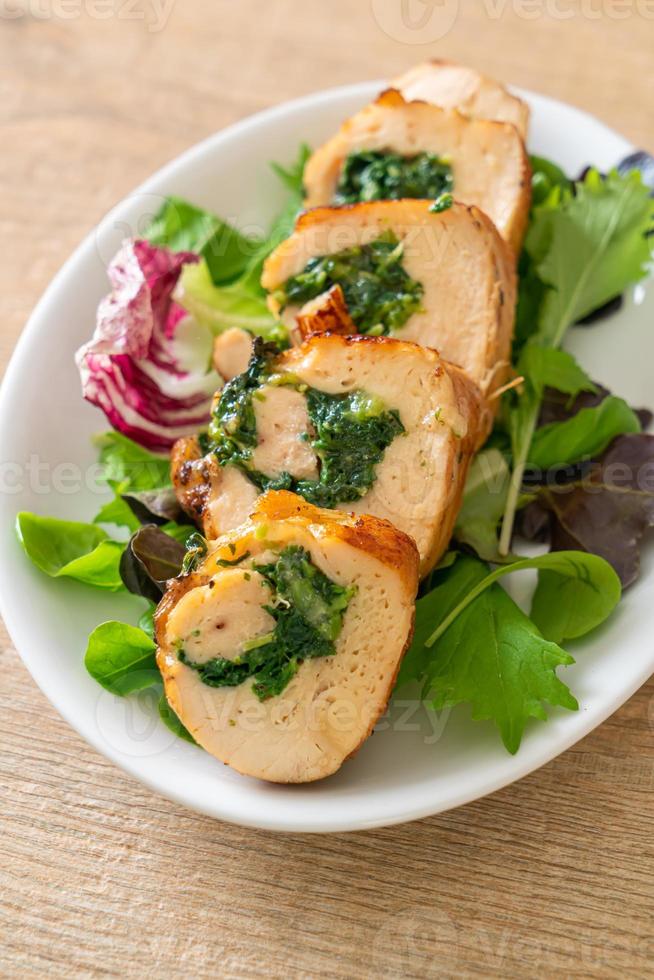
<point>243,303</point>
<point>183,227</point>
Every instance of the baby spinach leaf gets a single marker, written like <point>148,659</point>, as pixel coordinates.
<point>172,722</point>
<point>149,560</point>
<point>583,436</point>
<point>121,658</point>
<point>146,620</point>
<point>491,655</point>
<point>596,589</point>
<point>116,511</point>
<point>574,594</point>
<point>71,549</point>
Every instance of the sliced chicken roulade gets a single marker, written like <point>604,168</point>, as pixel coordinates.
<point>452,86</point>
<point>368,425</point>
<point>397,149</point>
<point>445,280</point>
<point>280,651</point>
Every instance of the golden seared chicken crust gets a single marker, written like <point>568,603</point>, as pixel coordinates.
<point>453,86</point>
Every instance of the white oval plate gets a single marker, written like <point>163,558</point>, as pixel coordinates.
<point>416,764</point>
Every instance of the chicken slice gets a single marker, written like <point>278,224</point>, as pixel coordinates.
<point>490,166</point>
<point>452,86</point>
<point>419,480</point>
<point>282,428</point>
<point>332,702</point>
<point>468,304</point>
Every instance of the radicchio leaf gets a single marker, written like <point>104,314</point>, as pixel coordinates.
<point>148,364</point>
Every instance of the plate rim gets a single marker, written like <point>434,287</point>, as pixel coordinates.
<point>222,809</point>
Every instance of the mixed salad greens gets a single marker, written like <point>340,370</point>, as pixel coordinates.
<point>559,436</point>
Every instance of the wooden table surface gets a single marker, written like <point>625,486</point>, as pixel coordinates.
<point>98,876</point>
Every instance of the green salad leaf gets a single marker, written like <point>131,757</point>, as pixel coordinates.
<point>183,227</point>
<point>596,591</point>
<point>121,658</point>
<point>117,511</point>
<point>549,367</point>
<point>242,303</point>
<point>140,481</point>
<point>483,503</point>
<point>491,656</point>
<point>583,436</point>
<point>473,643</point>
<point>125,462</point>
<point>589,249</point>
<point>582,249</point>
<point>546,178</point>
<point>71,549</point>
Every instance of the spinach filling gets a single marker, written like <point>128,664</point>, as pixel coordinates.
<point>308,609</point>
<point>353,432</point>
<point>350,434</point>
<point>380,295</point>
<point>375,175</point>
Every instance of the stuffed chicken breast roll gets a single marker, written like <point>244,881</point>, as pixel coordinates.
<point>444,280</point>
<point>279,652</point>
<point>395,149</point>
<point>453,86</point>
<point>367,425</point>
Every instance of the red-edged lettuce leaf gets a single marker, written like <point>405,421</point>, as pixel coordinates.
<point>148,365</point>
<point>606,511</point>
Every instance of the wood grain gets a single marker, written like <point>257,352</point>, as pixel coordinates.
<point>99,877</point>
